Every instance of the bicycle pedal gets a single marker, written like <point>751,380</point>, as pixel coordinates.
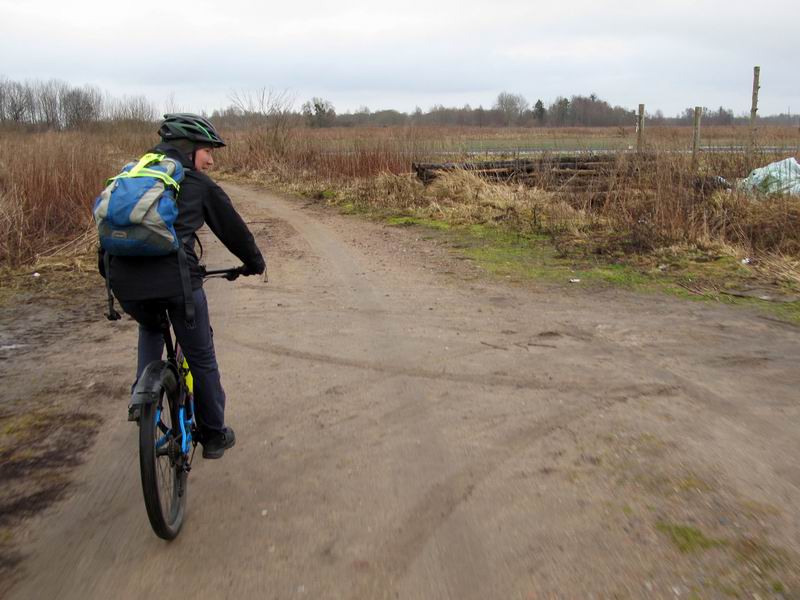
<point>134,412</point>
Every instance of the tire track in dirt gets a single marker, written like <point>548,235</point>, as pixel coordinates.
<point>404,436</point>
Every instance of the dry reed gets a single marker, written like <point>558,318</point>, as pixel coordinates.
<point>48,182</point>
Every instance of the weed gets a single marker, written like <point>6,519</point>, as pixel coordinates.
<point>687,538</point>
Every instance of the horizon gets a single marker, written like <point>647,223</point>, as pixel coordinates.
<point>236,99</point>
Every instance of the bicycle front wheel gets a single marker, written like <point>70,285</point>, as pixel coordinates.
<point>163,476</point>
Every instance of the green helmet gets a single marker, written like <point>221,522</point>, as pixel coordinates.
<point>187,126</point>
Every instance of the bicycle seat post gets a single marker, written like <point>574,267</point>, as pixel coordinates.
<point>165,330</point>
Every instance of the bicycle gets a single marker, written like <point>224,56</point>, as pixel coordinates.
<point>163,406</point>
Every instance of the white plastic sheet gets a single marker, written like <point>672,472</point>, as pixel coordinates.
<point>782,177</point>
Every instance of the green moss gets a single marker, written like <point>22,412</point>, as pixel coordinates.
<point>532,256</point>
<point>687,538</point>
<point>785,311</point>
<point>692,275</point>
<point>350,208</point>
<point>404,221</point>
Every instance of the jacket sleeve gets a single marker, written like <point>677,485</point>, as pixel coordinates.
<point>228,226</point>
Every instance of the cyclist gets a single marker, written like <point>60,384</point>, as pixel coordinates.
<point>137,281</point>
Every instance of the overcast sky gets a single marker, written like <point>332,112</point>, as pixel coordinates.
<point>668,55</point>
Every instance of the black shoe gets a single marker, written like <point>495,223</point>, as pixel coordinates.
<point>218,442</point>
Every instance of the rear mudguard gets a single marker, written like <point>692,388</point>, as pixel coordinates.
<point>155,375</point>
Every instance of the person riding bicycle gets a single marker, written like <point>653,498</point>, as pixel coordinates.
<point>138,281</point>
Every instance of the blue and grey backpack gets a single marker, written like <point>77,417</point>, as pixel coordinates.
<point>135,214</point>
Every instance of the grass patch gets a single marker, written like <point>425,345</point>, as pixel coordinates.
<point>689,274</point>
<point>403,221</point>
<point>687,538</point>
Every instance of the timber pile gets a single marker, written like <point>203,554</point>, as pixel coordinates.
<point>572,173</point>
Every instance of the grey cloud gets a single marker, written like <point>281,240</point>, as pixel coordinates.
<point>671,58</point>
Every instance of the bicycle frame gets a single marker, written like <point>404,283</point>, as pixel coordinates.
<point>186,423</point>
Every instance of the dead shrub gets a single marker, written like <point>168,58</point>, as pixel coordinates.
<point>398,192</point>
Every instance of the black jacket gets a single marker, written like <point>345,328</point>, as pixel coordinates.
<point>200,201</point>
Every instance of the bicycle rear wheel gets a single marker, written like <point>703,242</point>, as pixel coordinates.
<point>160,460</point>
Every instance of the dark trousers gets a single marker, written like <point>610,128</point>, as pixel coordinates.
<point>198,347</point>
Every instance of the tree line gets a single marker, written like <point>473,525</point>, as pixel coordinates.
<point>55,104</point>
<point>58,105</point>
<point>508,110</point>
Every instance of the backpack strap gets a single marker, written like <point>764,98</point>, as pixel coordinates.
<point>112,314</point>
<point>141,169</point>
<point>199,243</point>
<point>186,284</point>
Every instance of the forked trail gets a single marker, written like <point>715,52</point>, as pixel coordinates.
<point>408,428</point>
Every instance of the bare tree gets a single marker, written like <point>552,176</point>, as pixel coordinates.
<point>262,103</point>
<point>81,106</point>
<point>48,94</point>
<point>15,102</point>
<point>319,112</point>
<point>511,106</point>
<point>170,106</point>
<point>266,112</point>
<point>135,109</point>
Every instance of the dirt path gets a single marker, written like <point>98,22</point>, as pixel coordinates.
<point>409,429</point>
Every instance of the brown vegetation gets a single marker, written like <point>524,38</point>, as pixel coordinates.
<point>633,205</point>
<point>49,180</point>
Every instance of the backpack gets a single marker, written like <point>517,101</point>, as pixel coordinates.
<point>135,214</point>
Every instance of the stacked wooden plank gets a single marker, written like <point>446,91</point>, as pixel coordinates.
<point>573,173</point>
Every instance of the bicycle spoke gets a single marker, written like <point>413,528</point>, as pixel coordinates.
<point>165,469</point>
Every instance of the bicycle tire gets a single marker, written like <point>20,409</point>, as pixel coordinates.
<point>163,483</point>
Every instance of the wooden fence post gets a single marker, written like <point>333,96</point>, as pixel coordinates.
<point>754,116</point>
<point>698,112</point>
<point>640,130</point>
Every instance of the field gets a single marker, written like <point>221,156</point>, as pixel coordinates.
<point>48,181</point>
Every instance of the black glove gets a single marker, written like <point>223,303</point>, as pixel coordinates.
<point>256,269</point>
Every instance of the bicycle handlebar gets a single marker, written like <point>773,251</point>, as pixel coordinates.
<point>229,274</point>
